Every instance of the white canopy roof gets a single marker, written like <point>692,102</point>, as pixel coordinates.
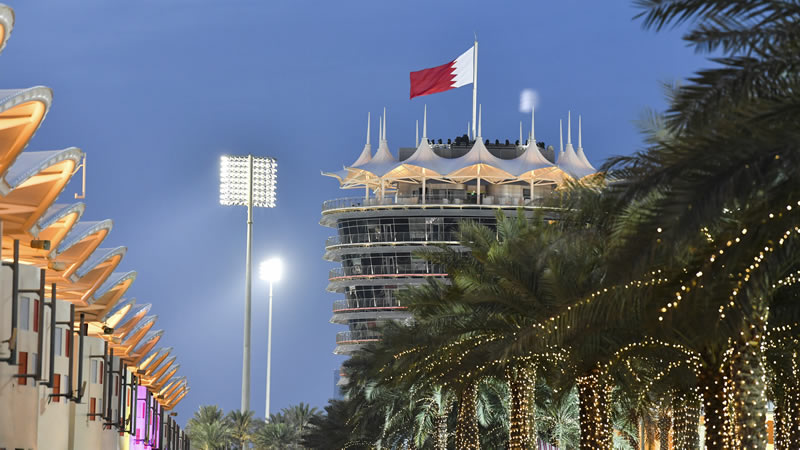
<point>478,162</point>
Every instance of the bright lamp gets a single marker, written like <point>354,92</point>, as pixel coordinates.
<point>271,269</point>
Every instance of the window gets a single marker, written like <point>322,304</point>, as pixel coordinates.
<point>117,384</point>
<point>36,316</point>
<point>58,348</point>
<point>101,374</point>
<point>94,371</point>
<point>92,408</point>
<point>67,387</point>
<point>22,367</point>
<point>56,387</point>
<point>68,340</point>
<point>24,313</point>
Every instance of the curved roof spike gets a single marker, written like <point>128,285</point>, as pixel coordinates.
<point>21,113</point>
<point>130,320</point>
<point>6,23</point>
<point>581,155</point>
<point>366,153</point>
<point>425,123</point>
<point>98,257</point>
<point>533,128</point>
<point>162,380</point>
<point>174,402</point>
<point>81,231</point>
<point>173,385</point>
<point>114,316</point>
<point>62,218</point>
<point>569,128</point>
<point>109,293</point>
<point>29,164</point>
<point>81,241</point>
<point>384,123</point>
<point>163,367</point>
<point>144,346</point>
<point>176,397</point>
<point>125,304</point>
<point>32,184</point>
<point>153,359</point>
<point>380,129</point>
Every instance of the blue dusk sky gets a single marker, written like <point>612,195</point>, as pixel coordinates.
<point>155,91</point>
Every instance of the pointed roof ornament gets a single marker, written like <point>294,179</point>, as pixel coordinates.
<point>380,129</point>
<point>416,134</point>
<point>533,134</point>
<point>366,153</point>
<point>569,128</point>
<point>425,123</point>
<point>521,142</point>
<point>581,155</point>
<point>469,130</point>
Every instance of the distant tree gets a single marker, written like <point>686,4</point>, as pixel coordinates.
<point>242,425</point>
<point>208,429</point>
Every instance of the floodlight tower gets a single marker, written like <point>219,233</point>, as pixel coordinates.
<point>270,270</point>
<point>249,181</point>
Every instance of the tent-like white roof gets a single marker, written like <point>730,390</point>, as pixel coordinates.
<point>530,166</point>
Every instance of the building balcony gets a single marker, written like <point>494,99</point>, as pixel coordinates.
<point>399,201</point>
<point>357,337</point>
<point>393,238</point>
<point>387,271</point>
<point>345,311</point>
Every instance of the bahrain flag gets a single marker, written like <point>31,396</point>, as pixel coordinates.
<point>456,73</point>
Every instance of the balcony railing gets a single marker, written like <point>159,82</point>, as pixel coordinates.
<point>400,236</point>
<point>488,200</point>
<point>393,269</point>
<point>365,304</point>
<point>357,337</point>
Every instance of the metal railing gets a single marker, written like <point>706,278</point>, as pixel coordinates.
<point>343,337</point>
<point>393,269</point>
<point>393,200</point>
<point>366,304</point>
<point>398,236</point>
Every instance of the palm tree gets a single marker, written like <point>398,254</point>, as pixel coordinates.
<point>241,425</point>
<point>208,428</point>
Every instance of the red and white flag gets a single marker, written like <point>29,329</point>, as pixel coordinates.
<point>456,73</point>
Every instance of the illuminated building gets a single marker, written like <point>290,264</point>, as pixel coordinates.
<point>79,363</point>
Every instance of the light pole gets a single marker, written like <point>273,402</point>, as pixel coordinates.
<point>270,270</point>
<point>247,181</point>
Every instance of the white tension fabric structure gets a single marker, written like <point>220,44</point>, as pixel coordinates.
<point>383,171</point>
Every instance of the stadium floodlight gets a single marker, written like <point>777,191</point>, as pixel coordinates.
<point>271,271</point>
<point>247,181</point>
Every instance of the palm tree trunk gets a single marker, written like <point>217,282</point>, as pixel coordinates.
<point>749,399</point>
<point>686,411</point>
<point>595,412</point>
<point>441,432</point>
<point>467,437</point>
<point>664,425</point>
<point>712,386</point>
<point>521,429</point>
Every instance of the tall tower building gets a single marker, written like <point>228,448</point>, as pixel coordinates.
<point>418,200</point>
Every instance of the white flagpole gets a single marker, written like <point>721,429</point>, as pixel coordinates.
<point>474,84</point>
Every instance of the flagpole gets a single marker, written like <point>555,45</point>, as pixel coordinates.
<point>474,85</point>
